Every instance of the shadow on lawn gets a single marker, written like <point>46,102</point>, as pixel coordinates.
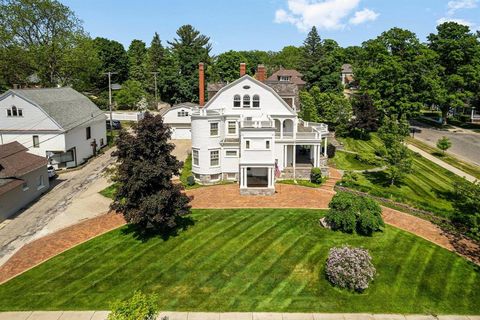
<point>380,178</point>
<point>139,233</point>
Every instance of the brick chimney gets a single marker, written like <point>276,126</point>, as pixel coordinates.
<point>243,69</point>
<point>261,74</point>
<point>201,84</point>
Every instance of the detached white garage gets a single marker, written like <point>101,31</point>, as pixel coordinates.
<point>179,118</point>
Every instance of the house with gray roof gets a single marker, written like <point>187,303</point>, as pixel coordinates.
<point>59,124</point>
<point>23,178</point>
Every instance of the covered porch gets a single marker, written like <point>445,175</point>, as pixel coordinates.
<point>257,179</point>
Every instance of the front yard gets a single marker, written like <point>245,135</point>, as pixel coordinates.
<point>249,260</point>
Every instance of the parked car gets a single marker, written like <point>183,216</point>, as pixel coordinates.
<point>51,172</point>
<point>116,125</point>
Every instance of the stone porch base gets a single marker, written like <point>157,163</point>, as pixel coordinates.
<point>257,191</point>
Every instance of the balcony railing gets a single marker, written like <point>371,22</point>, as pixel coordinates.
<point>257,124</point>
<point>299,135</point>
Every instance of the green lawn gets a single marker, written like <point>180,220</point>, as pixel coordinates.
<point>348,161</point>
<point>249,260</point>
<point>427,187</point>
<point>448,158</point>
<point>362,146</point>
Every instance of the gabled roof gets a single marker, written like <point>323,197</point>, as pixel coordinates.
<point>295,76</point>
<point>67,107</point>
<point>261,84</point>
<point>189,105</point>
<point>15,161</point>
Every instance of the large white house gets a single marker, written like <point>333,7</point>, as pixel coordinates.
<point>58,123</point>
<point>248,133</point>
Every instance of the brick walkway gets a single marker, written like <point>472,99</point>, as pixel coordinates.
<point>286,196</point>
<point>51,245</point>
<point>227,196</point>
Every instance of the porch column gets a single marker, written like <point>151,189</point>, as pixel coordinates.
<point>315,156</point>
<point>281,129</point>
<point>285,156</point>
<point>325,147</point>
<point>294,159</point>
<point>270,184</point>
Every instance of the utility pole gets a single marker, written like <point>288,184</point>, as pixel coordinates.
<point>156,95</point>
<point>110,100</point>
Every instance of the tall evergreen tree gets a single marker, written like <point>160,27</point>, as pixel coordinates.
<point>137,56</point>
<point>190,47</point>
<point>155,60</point>
<point>146,196</point>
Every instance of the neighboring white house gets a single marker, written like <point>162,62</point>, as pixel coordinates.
<point>179,118</point>
<point>23,178</point>
<point>58,123</point>
<point>248,133</point>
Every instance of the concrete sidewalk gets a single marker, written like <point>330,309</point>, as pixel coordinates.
<point>102,315</point>
<point>441,163</point>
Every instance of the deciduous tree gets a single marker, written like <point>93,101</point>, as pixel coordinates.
<point>146,196</point>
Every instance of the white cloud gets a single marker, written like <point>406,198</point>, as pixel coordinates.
<point>363,16</point>
<point>459,21</point>
<point>455,5</point>
<point>324,14</point>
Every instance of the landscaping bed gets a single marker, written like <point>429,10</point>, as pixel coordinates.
<point>249,260</point>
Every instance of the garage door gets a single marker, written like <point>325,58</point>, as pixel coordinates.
<point>181,133</point>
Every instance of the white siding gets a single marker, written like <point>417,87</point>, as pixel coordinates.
<point>77,138</point>
<point>33,117</point>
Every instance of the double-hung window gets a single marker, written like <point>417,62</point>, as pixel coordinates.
<point>214,158</point>
<point>232,127</point>
<point>214,129</point>
<point>195,157</point>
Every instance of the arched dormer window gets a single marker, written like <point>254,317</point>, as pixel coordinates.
<point>246,101</point>
<point>236,101</point>
<point>14,111</point>
<point>256,101</point>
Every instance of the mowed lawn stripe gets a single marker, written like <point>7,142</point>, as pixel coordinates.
<point>276,264</point>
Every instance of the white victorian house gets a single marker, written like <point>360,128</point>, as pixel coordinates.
<point>248,133</point>
<point>60,124</point>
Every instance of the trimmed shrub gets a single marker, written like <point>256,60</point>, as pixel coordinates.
<point>331,149</point>
<point>350,268</point>
<point>316,176</point>
<point>349,213</point>
<point>190,181</point>
<point>138,307</point>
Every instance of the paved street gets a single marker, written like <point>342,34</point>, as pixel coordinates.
<point>102,315</point>
<point>72,198</point>
<point>465,144</point>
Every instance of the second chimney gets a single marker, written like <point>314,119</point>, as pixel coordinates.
<point>201,85</point>
<point>261,76</point>
<point>243,69</point>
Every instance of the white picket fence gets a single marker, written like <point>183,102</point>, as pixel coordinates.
<point>125,116</point>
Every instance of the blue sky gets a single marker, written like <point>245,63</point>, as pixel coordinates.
<point>268,24</point>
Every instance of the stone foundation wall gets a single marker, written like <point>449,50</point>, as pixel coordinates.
<point>257,191</point>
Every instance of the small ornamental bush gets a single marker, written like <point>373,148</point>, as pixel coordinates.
<point>350,268</point>
<point>138,307</point>
<point>349,213</point>
<point>190,181</point>
<point>316,176</point>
